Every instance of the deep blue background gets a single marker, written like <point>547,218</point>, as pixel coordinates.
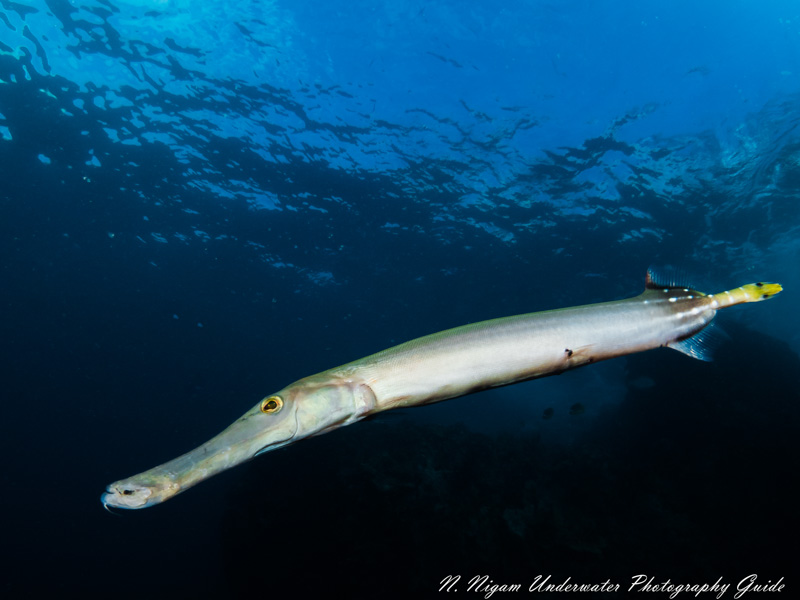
<point>202,202</point>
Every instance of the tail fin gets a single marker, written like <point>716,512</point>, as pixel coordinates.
<point>702,344</point>
<point>751,292</point>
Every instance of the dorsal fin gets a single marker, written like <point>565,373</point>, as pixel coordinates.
<point>665,278</point>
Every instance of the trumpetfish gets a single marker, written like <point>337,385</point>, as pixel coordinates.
<point>446,365</point>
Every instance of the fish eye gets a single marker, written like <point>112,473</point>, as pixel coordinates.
<point>271,404</point>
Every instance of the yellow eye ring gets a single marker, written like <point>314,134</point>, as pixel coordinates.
<point>271,404</point>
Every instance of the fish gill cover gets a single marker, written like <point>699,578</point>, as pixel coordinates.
<point>202,201</point>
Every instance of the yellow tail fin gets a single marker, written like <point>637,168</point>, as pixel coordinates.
<point>751,292</point>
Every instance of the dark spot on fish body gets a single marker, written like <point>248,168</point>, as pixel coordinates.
<point>760,284</point>
<point>569,352</point>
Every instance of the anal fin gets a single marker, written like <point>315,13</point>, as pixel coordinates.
<point>703,344</point>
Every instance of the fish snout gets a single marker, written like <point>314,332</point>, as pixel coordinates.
<point>131,495</point>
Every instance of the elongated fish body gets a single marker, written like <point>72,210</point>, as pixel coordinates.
<point>503,351</point>
<point>446,365</point>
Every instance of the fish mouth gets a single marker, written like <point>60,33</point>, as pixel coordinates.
<point>108,499</point>
<point>126,496</point>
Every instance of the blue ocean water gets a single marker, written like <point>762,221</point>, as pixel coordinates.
<point>203,201</point>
